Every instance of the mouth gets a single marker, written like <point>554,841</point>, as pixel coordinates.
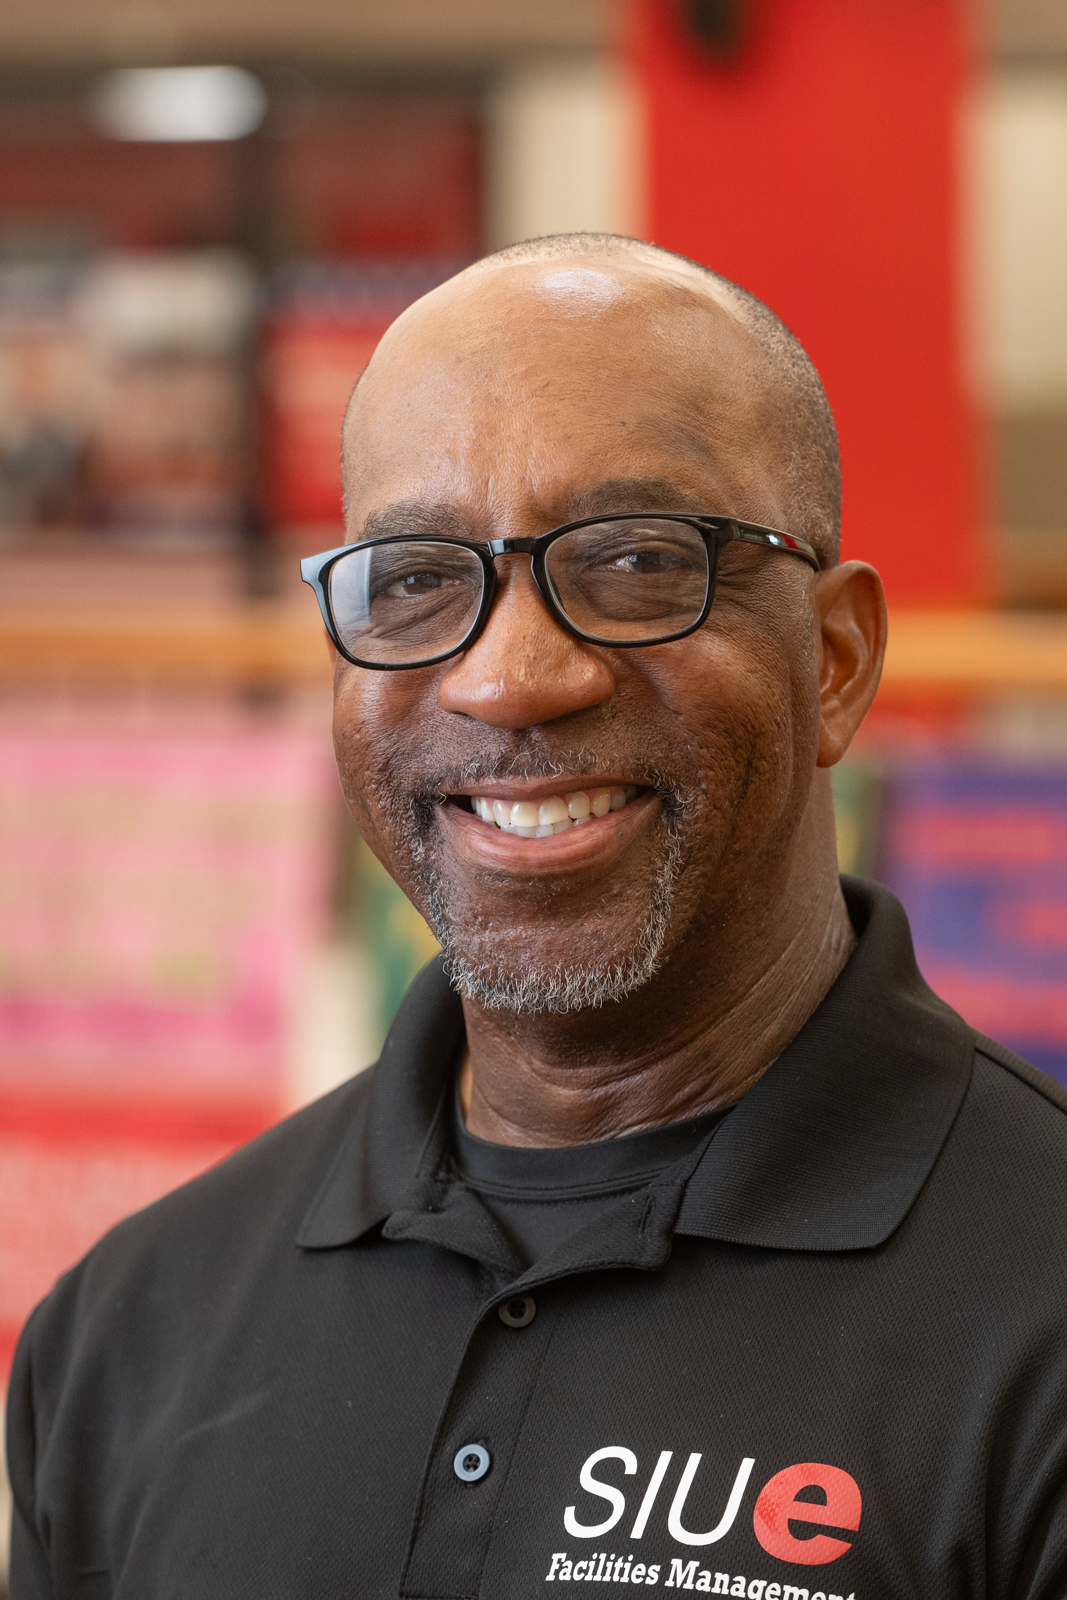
<point>556,813</point>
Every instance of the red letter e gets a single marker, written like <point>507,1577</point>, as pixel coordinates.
<point>778,1504</point>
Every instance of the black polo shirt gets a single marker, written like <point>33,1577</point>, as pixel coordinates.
<point>822,1354</point>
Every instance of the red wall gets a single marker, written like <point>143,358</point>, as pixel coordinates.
<point>819,168</point>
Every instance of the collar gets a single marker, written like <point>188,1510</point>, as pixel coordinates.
<point>826,1152</point>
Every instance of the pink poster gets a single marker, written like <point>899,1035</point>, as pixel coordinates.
<point>160,893</point>
<point>157,893</point>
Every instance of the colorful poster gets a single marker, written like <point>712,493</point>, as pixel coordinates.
<point>977,851</point>
<point>158,892</point>
<point>161,893</point>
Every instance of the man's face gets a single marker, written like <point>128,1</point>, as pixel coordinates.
<point>506,404</point>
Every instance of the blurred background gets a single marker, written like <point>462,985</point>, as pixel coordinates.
<point>208,215</point>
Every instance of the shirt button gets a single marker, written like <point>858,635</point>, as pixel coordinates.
<point>471,1462</point>
<point>518,1313</point>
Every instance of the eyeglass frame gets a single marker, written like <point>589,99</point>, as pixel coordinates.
<point>721,531</point>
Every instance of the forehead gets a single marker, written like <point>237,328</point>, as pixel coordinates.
<point>553,370</point>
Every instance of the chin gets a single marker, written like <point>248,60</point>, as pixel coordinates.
<point>560,990</point>
<point>510,963</point>
<point>527,986</point>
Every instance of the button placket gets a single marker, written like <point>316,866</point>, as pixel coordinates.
<point>482,1419</point>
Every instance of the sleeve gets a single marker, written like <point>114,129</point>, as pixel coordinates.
<point>30,1575</point>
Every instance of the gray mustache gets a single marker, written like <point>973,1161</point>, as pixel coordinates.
<point>536,769</point>
<point>521,765</point>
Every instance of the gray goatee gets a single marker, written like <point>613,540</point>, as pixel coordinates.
<point>563,987</point>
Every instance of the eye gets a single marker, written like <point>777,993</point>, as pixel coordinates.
<point>412,585</point>
<point>648,562</point>
<point>651,561</point>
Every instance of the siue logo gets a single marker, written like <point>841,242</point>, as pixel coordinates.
<point>777,1505</point>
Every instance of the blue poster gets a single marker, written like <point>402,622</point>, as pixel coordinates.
<point>977,851</point>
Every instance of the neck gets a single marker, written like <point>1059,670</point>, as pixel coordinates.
<point>693,1040</point>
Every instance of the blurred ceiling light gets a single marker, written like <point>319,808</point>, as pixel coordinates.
<point>178,104</point>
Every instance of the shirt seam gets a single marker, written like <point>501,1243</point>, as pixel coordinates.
<point>1000,1056</point>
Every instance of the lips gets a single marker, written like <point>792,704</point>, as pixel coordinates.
<point>558,813</point>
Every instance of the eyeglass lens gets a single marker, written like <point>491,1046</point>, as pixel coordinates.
<point>399,603</point>
<point>623,582</point>
<point>629,581</point>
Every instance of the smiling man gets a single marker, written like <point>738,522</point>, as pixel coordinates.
<point>681,1237</point>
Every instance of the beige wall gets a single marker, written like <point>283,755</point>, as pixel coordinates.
<point>1017,255</point>
<point>1021,237</point>
<point>383,31</point>
<point>563,150</point>
<point>1026,27</point>
<point>431,32</point>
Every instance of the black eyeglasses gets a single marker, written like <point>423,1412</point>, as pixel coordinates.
<point>639,578</point>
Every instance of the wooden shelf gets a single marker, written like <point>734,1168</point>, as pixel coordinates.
<point>265,643</point>
<point>975,651</point>
<point>259,643</point>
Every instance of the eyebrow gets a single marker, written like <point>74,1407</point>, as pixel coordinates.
<point>599,500</point>
<point>416,516</point>
<point>632,494</point>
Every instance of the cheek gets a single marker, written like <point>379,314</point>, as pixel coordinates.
<point>745,700</point>
<point>373,715</point>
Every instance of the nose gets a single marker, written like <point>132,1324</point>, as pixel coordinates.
<point>523,669</point>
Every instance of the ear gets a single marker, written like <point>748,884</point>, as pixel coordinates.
<point>850,617</point>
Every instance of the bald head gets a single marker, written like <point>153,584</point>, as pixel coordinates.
<point>599,378</point>
<point>752,377</point>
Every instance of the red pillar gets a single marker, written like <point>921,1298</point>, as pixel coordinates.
<point>819,167</point>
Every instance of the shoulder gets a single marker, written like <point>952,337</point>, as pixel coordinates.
<point>134,1318</point>
<point>1021,1107</point>
<point>1040,1096</point>
<point>265,1184</point>
<point>188,1245</point>
<point>1005,1160</point>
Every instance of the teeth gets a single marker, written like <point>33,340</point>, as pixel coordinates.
<point>557,814</point>
<point>554,810</point>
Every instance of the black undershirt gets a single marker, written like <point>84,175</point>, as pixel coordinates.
<point>539,1197</point>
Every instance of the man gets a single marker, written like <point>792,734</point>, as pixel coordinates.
<point>681,1237</point>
